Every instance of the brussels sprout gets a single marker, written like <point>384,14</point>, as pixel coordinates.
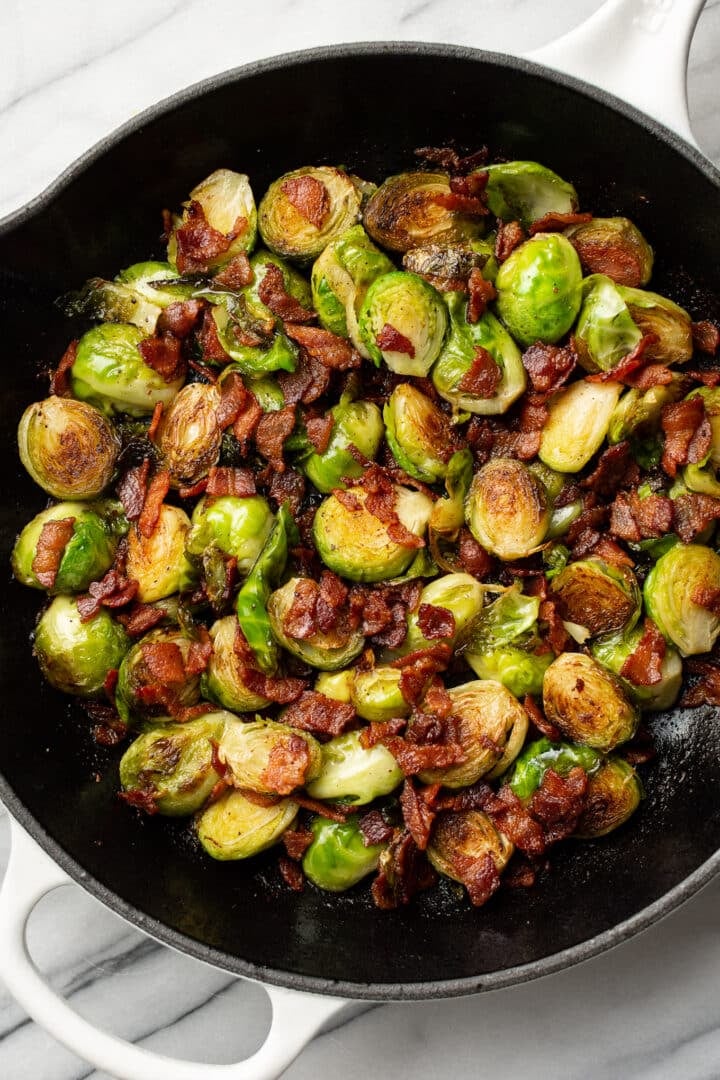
<point>672,591</point>
<point>251,604</point>
<point>639,411</point>
<point>588,703</point>
<point>355,423</point>
<point>304,210</point>
<point>539,289</point>
<point>577,423</point>
<point>354,774</point>
<point>356,544</point>
<point>235,828</point>
<point>295,284</point>
<point>111,301</point>
<point>492,729</point>
<point>189,436</point>
<point>701,478</point>
<point>251,342</point>
<point>376,695</point>
<point>89,551</point>
<point>612,652</point>
<point>222,680</point>
<point>76,656</point>
<point>157,562</point>
<point>340,278</point>
<point>613,795</point>
<point>461,594</point>
<point>336,685</point>
<point>136,675</point>
<point>406,304</point>
<point>417,434</point>
<point>327,651</point>
<point>526,191</point>
<point>155,282</point>
<point>711,401</point>
<point>615,247</point>
<point>68,447</point>
<point>238,526</point>
<point>269,396</point>
<point>506,509</point>
<point>500,643</point>
<point>597,595</point>
<point>519,669</point>
<point>338,857</point>
<point>508,619</point>
<point>458,354</point>
<point>447,266</point>
<point>174,765</point>
<point>461,840</point>
<point>448,513</point>
<point>405,213</point>
<point>268,757</point>
<point>655,314</point>
<point>228,205</point>
<point>605,330</point>
<point>109,372</point>
<point>530,766</point>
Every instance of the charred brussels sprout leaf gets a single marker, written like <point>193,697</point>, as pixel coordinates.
<point>235,828</point>
<point>327,651</point>
<point>674,592</point>
<point>76,656</point>
<point>577,423</point>
<point>340,278</point>
<point>405,213</point>
<point>506,509</point>
<point>615,247</point>
<point>238,526</point>
<point>355,423</point>
<point>304,210</point>
<point>265,575</point>
<point>227,203</point>
<point>137,676</point>
<point>109,372</point>
<point>158,562</point>
<point>417,434</point>
<point>529,769</point>
<point>588,703</point>
<point>376,695</point>
<point>461,840</point>
<point>598,596</point>
<point>350,772</point>
<point>605,330</point>
<point>403,321</point>
<point>526,191</point>
<point>236,325</point>
<point>88,553</point>
<point>338,858</point>
<point>539,289</point>
<point>222,680</point>
<point>189,436</point>
<point>249,751</point>
<point>654,314</point>
<point>614,649</point>
<point>613,795</point>
<point>68,447</point>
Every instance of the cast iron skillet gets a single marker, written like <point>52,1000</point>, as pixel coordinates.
<point>366,107</point>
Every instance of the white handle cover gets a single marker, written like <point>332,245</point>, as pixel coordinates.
<point>637,50</point>
<point>296,1017</point>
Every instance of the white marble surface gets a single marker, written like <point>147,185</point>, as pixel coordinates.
<point>650,1010</point>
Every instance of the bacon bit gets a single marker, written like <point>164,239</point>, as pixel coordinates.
<point>643,666</point>
<point>510,234</point>
<point>419,667</point>
<point>558,803</point>
<point>474,559</point>
<point>279,690</point>
<point>296,842</point>
<point>226,480</point>
<point>141,618</point>
<point>332,351</point>
<point>512,819</point>
<point>583,534</point>
<point>180,318</point>
<point>50,549</point>
<point>391,340</point>
<point>320,715</point>
<point>291,873</point>
<point>60,378</point>
<point>109,729</point>
<point>332,596</point>
<point>435,622</point>
<point>414,758</point>
<point>549,366</point>
<point>705,337</point>
<point>557,635</point>
<point>156,492</point>
<point>274,295</point>
<point>417,815</point>
<point>710,377</point>
<point>461,204</point>
<point>615,469</point>
<point>618,261</point>
<point>306,383</point>
<point>348,500</point>
<point>234,398</point>
<point>309,196</point>
<point>162,354</point>
<point>199,654</point>
<point>110,683</point>
<point>380,732</point>
<point>272,431</point>
<point>236,274</point>
<point>624,369</point>
<point>554,222</point>
<point>611,552</point>
<point>634,519</point>
<point>706,596</point>
<point>649,376</point>
<point>519,875</point>
<point>287,765</point>
<point>155,421</point>
<point>404,872</point>
<point>707,690</point>
<point>198,243</point>
<point>288,486</point>
<point>319,430</point>
<point>380,502</point>
<point>483,376</point>
<point>693,513</point>
<point>141,799</point>
<point>113,590</point>
<point>246,422</point>
<point>481,292</point>
<point>437,701</point>
<point>132,488</point>
<point>182,715</point>
<point>195,490</point>
<point>688,434</point>
<point>539,720</point>
<point>447,158</point>
<point>333,813</point>
<point>299,620</point>
<point>164,661</point>
<point>375,829</point>
<point>211,348</point>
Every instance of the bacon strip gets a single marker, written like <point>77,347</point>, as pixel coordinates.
<point>320,715</point>
<point>332,351</point>
<point>625,368</point>
<point>706,336</point>
<point>60,379</point>
<point>50,549</point>
<point>236,274</point>
<point>156,492</point>
<point>688,434</point>
<point>272,431</point>
<point>510,234</point>
<point>198,243</point>
<point>180,318</point>
<point>554,222</point>
<point>643,666</point>
<point>483,376</point>
<point>391,340</point>
<point>225,480</point>
<point>274,295</point>
<point>309,196</point>
<point>693,513</point>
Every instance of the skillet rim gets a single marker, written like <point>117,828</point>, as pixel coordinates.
<point>412,991</point>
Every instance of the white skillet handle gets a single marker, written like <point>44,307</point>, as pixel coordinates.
<point>638,51</point>
<point>296,1017</point>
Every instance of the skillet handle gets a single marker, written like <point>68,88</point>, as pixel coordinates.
<point>638,51</point>
<point>31,874</point>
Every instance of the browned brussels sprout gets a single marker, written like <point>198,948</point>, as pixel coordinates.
<point>327,651</point>
<point>506,509</point>
<point>671,324</point>
<point>461,841</point>
<point>597,596</point>
<point>268,757</point>
<point>614,247</point>
<point>68,447</point>
<point>189,436</point>
<point>226,202</point>
<point>613,795</point>
<point>138,676</point>
<point>304,210</point>
<point>222,681</point>
<point>588,703</point>
<point>417,432</point>
<point>233,827</point>
<point>158,562</point>
<point>405,213</point>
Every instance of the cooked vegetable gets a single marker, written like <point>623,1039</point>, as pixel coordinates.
<point>711,401</point>
<point>527,191</point>
<point>405,213</point>
<point>448,513</point>
<point>613,795</point>
<point>529,768</point>
<point>375,693</point>
<point>341,276</point>
<point>155,282</point>
<point>304,210</point>
<point>68,447</point>
<point>338,858</point>
<point>328,651</point>
<point>506,509</point>
<point>226,201</point>
<point>539,289</point>
<point>597,595</point>
<point>615,247</point>
<point>233,827</point>
<point>640,411</point>
<point>354,774</point>
<point>605,330</point>
<point>355,423</point>
<point>75,656</point>
<point>251,341</point>
<point>140,675</point>
<point>588,703</point>
<point>93,535</point>
<point>189,436</point>
<point>679,596</point>
<point>251,603</point>
<point>461,840</point>
<point>502,640</point>
<point>238,526</point>
<point>222,681</point>
<point>417,434</point>
<point>654,314</point>
<point>158,562</point>
<point>578,421</point>
<point>402,322</point>
<point>294,283</point>
<point>459,594</point>
<point>613,650</point>
<point>336,684</point>
<point>110,373</point>
<point>268,757</point>
<point>446,266</point>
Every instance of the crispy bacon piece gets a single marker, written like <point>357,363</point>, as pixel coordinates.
<point>435,623</point>
<point>554,222</point>
<point>510,234</point>
<point>549,366</point>
<point>287,765</point>
<point>415,757</point>
<point>479,876</point>
<point>540,721</point>
<point>375,829</point>
<point>320,715</point>
<point>584,534</point>
<point>113,591</point>
<point>155,421</point>
<point>108,729</point>
<point>247,420</point>
<point>52,541</point>
<point>315,806</point>
<point>520,874</point>
<point>296,842</point>
<point>180,318</point>
<point>643,666</point>
<point>198,243</point>
<point>156,492</point>
<point>234,397</point>
<point>557,635</point>
<point>307,382</point>
<point>600,255</point>
<point>688,434</point>
<point>706,336</point>
<point>272,431</point>
<point>419,667</point>
<point>378,732</point>
<point>141,798</point>
<point>634,519</point>
<point>707,596</point>
<point>331,599</point>
<point>558,803</point>
<point>274,295</point>
<point>309,196</point>
<point>236,274</point>
<point>693,513</point>
<point>706,691</point>
<point>141,618</point>
<point>288,486</point>
<point>194,490</point>
<point>611,552</point>
<point>319,430</point>
<point>416,811</point>
<point>291,873</point>
<point>445,157</point>
<point>211,348</point>
<point>709,377</point>
<point>391,340</point>
<point>164,662</point>
<point>299,620</point>
<point>480,293</point>
<point>482,377</point>
<point>466,195</point>
<point>279,690</point>
<point>224,480</point>
<point>624,370</point>
<point>60,378</point>
<point>474,559</point>
<point>163,354</point>
<point>615,469</point>
<point>380,502</point>
<point>404,872</point>
<point>332,351</point>
<point>650,375</point>
<point>511,818</point>
<point>199,653</point>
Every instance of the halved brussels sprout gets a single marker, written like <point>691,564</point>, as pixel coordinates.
<point>340,278</point>
<point>501,641</point>
<point>460,840</point>
<point>711,401</point>
<point>405,213</point>
<point>506,509</point>
<point>222,680</point>
<point>605,330</point>
<point>304,210</point>
<point>655,314</point>
<point>673,592</point>
<point>461,594</point>
<point>588,703</point>
<point>448,513</point>
<point>136,675</point>
<point>597,595</point>
<point>76,656</point>
<point>448,266</point>
<point>403,321</point>
<point>156,282</point>
<point>613,795</point>
<point>614,247</point>
<point>701,478</point>
<point>189,436</point>
<point>270,349</point>
<point>640,411</point>
<point>539,289</point>
<point>458,354</point>
<point>109,372</point>
<point>526,191</point>
<point>336,684</point>
<point>355,423</point>
<point>228,205</point>
<point>235,828</point>
<point>519,669</point>
<point>327,651</point>
<point>89,551</point>
<point>111,301</point>
<point>354,774</point>
<point>174,765</point>
<point>356,544</point>
<point>238,526</point>
<point>577,423</point>
<point>492,729</point>
<point>529,768</point>
<point>375,693</point>
<point>338,857</point>
<point>158,562</point>
<point>68,447</point>
<point>417,434</point>
<point>612,652</point>
<point>268,757</point>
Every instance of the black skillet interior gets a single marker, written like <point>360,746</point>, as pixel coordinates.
<point>366,108</point>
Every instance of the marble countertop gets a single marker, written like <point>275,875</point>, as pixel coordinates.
<point>650,1009</point>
